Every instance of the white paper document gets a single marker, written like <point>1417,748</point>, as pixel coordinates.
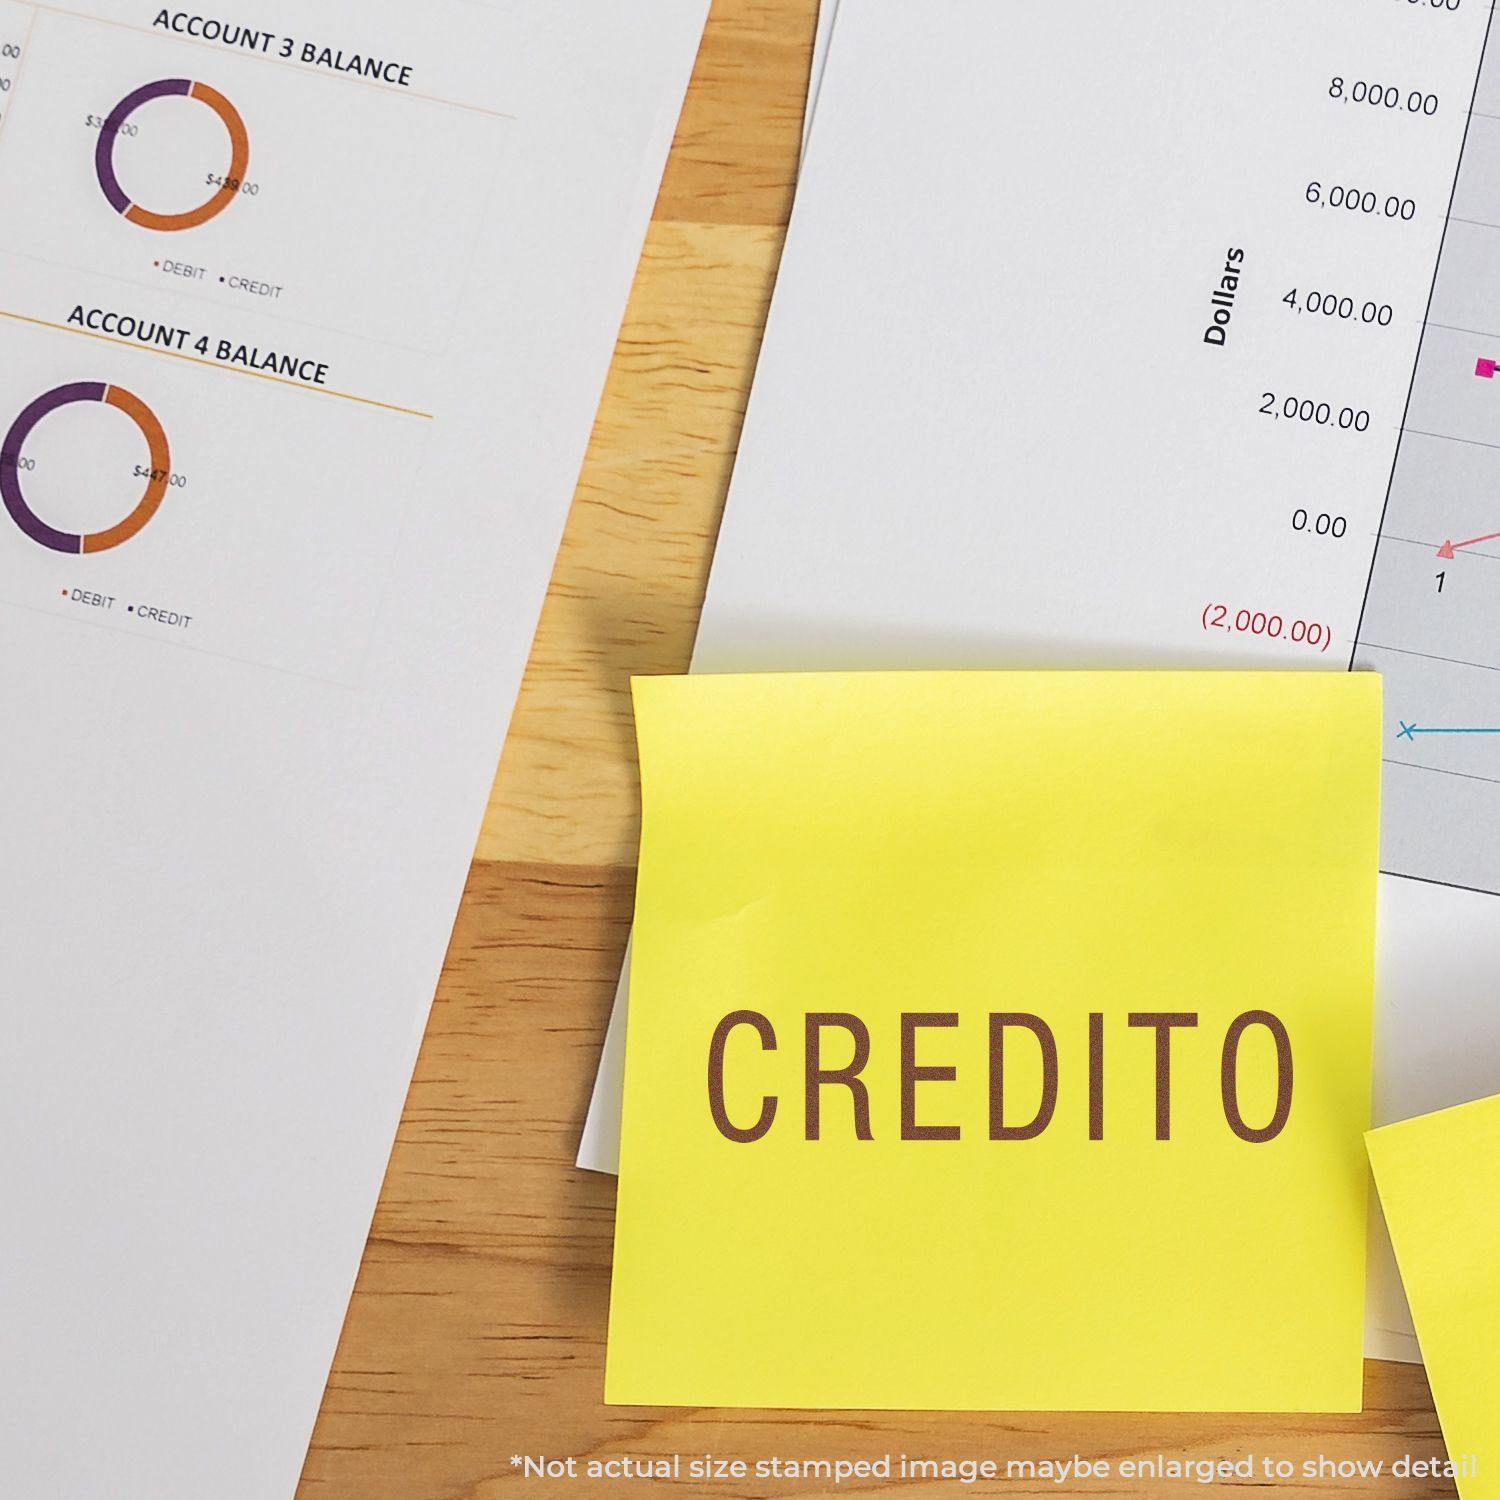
<point>827,13</point>
<point>305,309</point>
<point>1102,337</point>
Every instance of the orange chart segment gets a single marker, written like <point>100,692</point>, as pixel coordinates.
<point>233,180</point>
<point>156,486</point>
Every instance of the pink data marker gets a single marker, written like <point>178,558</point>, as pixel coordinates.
<point>1485,369</point>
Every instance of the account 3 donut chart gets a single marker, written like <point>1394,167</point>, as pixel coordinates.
<point>19,509</point>
<point>168,88</point>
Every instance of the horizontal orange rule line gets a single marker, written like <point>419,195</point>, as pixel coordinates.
<point>213,364</point>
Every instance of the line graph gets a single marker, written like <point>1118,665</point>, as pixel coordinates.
<point>1431,622</point>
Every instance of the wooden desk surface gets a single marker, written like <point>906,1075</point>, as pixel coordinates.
<point>477,1328</point>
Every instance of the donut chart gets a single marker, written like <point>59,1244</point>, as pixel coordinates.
<point>167,88</point>
<point>78,543</point>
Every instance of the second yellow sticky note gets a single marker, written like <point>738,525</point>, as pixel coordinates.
<point>1439,1180</point>
<point>999,1041</point>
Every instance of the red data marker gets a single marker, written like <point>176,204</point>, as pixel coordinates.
<point>1451,549</point>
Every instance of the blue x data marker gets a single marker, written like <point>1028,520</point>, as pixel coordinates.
<point>1411,731</point>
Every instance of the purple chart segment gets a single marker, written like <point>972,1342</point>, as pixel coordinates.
<point>104,151</point>
<point>10,465</point>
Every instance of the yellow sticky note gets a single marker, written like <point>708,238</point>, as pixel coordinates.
<point>999,1041</point>
<point>1439,1181</point>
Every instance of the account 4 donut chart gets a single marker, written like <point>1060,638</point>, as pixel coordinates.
<point>12,460</point>
<point>230,183</point>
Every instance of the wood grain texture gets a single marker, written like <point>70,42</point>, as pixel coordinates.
<point>633,565</point>
<point>477,1328</point>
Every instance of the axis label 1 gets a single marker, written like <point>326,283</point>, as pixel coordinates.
<point>166,88</point>
<point>27,519</point>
